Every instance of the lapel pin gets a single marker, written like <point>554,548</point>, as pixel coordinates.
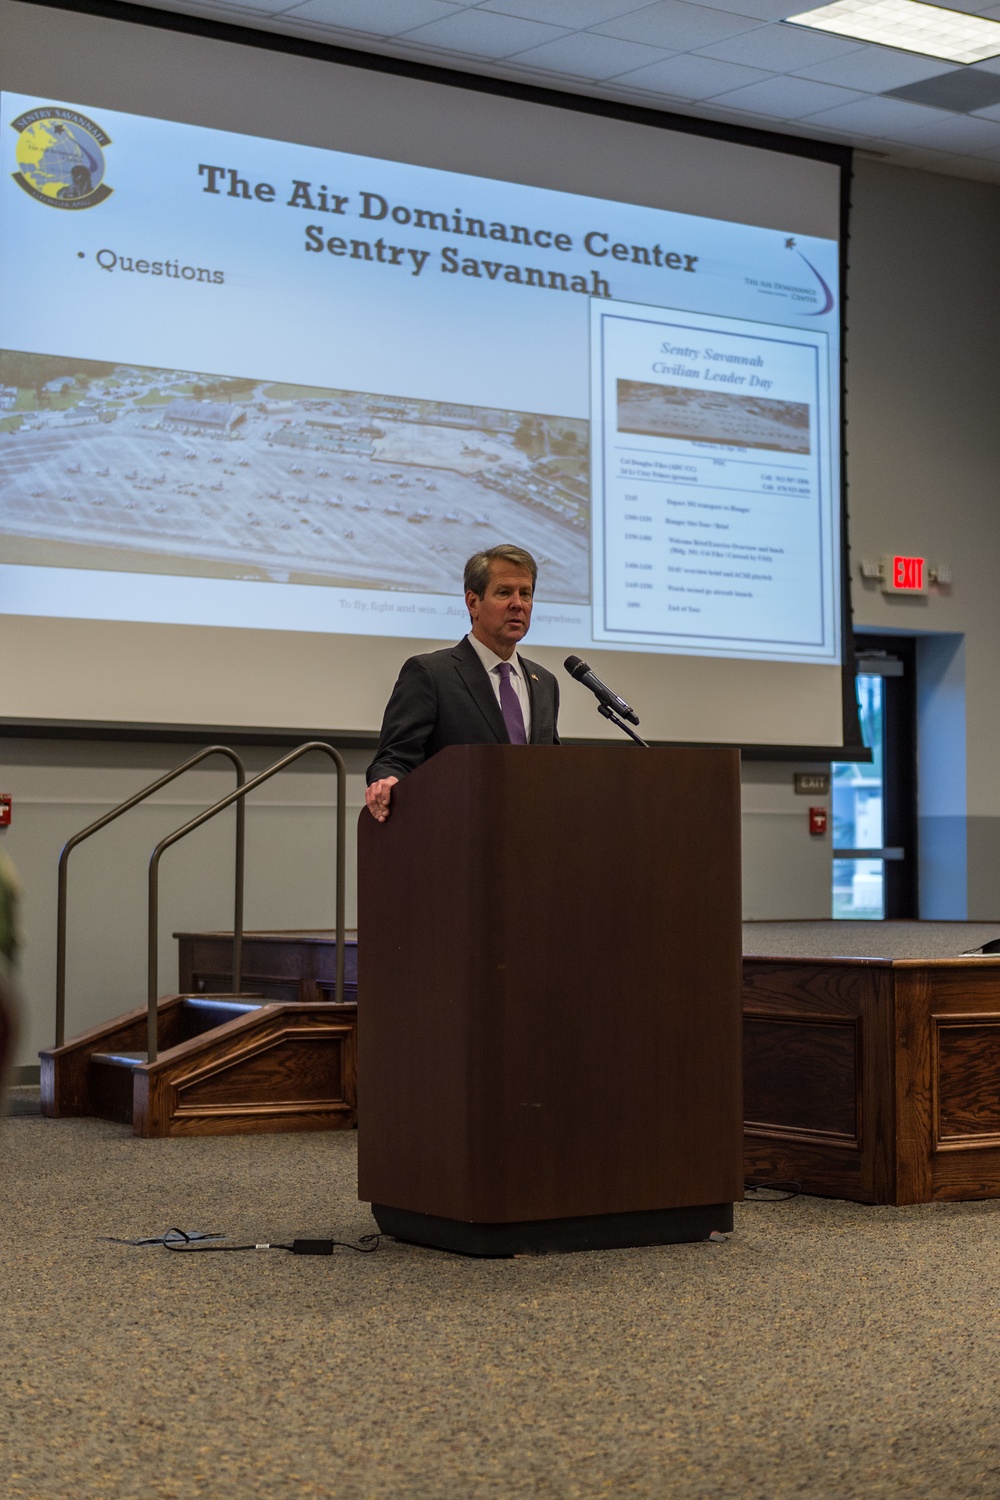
<point>533,677</point>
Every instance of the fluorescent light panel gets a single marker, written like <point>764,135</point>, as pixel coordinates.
<point>909,25</point>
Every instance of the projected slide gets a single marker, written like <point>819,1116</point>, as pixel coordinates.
<point>711,463</point>
<point>248,382</point>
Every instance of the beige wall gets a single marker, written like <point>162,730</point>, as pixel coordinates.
<point>924,463</point>
<point>923,467</point>
<point>787,871</point>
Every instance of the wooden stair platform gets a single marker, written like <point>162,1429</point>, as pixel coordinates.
<point>226,1065</point>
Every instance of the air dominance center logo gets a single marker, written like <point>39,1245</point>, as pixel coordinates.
<point>60,154</point>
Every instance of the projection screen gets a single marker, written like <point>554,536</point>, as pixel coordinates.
<point>293,338</point>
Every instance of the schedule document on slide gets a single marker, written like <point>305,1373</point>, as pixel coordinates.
<point>711,527</point>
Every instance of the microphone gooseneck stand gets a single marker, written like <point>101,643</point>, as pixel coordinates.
<point>609,713</point>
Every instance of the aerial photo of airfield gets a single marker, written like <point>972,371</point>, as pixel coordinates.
<point>700,416</point>
<point>128,468</point>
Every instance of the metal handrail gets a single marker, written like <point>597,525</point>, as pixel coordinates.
<point>238,796</point>
<point>116,812</point>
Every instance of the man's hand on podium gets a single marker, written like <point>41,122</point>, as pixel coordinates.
<point>377,797</point>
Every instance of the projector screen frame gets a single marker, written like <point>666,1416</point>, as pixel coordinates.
<point>837,155</point>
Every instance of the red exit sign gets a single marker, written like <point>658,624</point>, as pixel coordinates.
<point>904,575</point>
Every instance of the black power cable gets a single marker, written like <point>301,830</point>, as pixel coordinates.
<point>180,1241</point>
<point>365,1245</point>
<point>161,1239</point>
<point>783,1192</point>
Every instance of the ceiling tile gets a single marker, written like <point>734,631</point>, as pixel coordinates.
<point>569,13</point>
<point>965,134</point>
<point>779,48</point>
<point>258,9</point>
<point>970,8</point>
<point>788,98</point>
<point>376,17</point>
<point>882,119</point>
<point>873,69</point>
<point>690,77</point>
<point>590,56</point>
<point>676,25</point>
<point>482,33</point>
<point>221,10</point>
<point>960,90</point>
<point>760,10</point>
<point>990,64</point>
<point>812,132</point>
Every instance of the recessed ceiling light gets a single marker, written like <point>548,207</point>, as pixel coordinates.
<point>909,25</point>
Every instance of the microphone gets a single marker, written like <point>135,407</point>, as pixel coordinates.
<point>581,671</point>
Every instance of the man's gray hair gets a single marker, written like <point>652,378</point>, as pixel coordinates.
<point>477,569</point>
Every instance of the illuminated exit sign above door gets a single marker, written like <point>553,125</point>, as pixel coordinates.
<point>904,575</point>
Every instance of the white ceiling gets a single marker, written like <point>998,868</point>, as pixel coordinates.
<point>731,60</point>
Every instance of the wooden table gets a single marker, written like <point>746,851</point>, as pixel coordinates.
<point>872,1059</point>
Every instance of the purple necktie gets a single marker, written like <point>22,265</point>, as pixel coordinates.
<point>509,706</point>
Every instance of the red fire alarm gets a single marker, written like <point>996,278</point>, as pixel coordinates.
<point>817,820</point>
<point>6,803</point>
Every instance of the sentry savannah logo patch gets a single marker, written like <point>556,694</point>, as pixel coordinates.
<point>60,154</point>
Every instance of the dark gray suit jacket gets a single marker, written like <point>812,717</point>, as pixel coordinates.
<point>445,698</point>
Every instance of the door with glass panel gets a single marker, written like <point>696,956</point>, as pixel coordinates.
<point>874,802</point>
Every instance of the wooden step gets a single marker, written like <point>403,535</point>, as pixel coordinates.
<point>111,1083</point>
<point>203,1013</point>
<point>67,1087</point>
<point>225,1066</point>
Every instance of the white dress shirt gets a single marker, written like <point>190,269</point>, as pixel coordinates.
<point>518,681</point>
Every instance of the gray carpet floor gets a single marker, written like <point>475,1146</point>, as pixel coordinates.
<point>824,1350</point>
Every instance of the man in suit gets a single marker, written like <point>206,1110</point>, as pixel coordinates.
<point>480,692</point>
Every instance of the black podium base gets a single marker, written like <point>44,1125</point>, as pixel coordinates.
<point>660,1226</point>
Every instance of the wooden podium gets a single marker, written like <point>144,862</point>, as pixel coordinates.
<point>549,999</point>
